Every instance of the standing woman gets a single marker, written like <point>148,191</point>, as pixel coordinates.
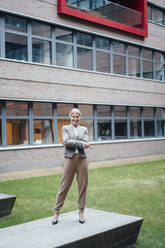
<point>75,140</point>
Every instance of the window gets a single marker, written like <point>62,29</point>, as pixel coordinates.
<point>157,15</point>
<point>159,66</point>
<point>102,55</point>
<point>41,51</point>
<point>15,23</point>
<point>42,109</point>
<point>149,130</point>
<point>43,131</point>
<point>133,61</point>
<point>17,132</point>
<point>41,29</point>
<point>120,122</point>
<point>84,51</point>
<point>86,110</point>
<point>64,47</point>
<point>119,58</point>
<point>16,108</point>
<point>147,63</point>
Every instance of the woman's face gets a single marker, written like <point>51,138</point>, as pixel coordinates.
<point>75,119</point>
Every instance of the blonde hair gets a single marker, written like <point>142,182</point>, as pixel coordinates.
<point>75,110</point>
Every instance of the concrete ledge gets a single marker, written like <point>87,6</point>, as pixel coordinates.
<point>6,204</point>
<point>101,230</point>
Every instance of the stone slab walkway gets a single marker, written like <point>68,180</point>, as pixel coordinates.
<point>92,165</point>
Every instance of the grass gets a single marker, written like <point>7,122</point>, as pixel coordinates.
<point>137,189</point>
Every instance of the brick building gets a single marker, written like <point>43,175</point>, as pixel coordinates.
<point>104,57</point>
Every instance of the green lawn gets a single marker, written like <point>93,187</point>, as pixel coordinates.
<point>137,189</point>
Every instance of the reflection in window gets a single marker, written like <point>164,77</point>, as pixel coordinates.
<point>119,64</point>
<point>84,59</point>
<point>104,130</point>
<point>157,15</point>
<point>41,29</point>
<point>43,132</point>
<point>134,112</point>
<point>0,109</point>
<point>84,39</point>
<point>102,43</point>
<point>161,128</point>
<point>0,133</point>
<point>148,112</point>
<point>16,108</point>
<point>159,113</point>
<point>64,34</point>
<point>134,67</point>
<point>103,111</point>
<point>64,55</point>
<point>17,132</point>
<point>149,130</point>
<point>135,129</point>
<point>89,125</point>
<point>16,47</point>
<point>120,129</point>
<point>64,109</point>
<point>41,50</point>
<point>42,109</point>
<point>102,61</point>
<point>15,23</point>
<point>118,47</point>
<point>147,69</point>
<point>86,110</point>
<point>119,111</point>
<point>133,51</point>
<point>60,124</point>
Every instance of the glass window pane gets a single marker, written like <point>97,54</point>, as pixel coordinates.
<point>89,125</point>
<point>102,61</point>
<point>0,109</point>
<point>119,64</point>
<point>133,67</point>
<point>118,47</point>
<point>41,29</point>
<point>41,50</point>
<point>133,51</point>
<point>84,59</point>
<point>135,129</point>
<point>17,132</point>
<point>159,57</point>
<point>161,128</point>
<point>15,23</point>
<point>103,111</point>
<point>0,133</point>
<point>149,130</point>
<point>86,110</point>
<point>64,109</point>
<point>149,13</point>
<point>60,124</point>
<point>16,108</point>
<point>64,55</point>
<point>102,43</point>
<point>16,47</point>
<point>64,34</point>
<point>159,71</point>
<point>159,113</point>
<point>146,53</point>
<point>120,129</point>
<point>43,132</point>
<point>134,111</point>
<point>158,15</point>
<point>42,109</point>
<point>147,69</point>
<point>104,130</point>
<point>119,111</point>
<point>84,39</point>
<point>148,112</point>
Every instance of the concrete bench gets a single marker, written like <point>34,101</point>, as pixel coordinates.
<point>101,230</point>
<point>6,204</point>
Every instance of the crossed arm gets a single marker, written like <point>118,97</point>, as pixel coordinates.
<point>73,142</point>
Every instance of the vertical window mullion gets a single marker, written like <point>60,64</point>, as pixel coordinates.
<point>95,122</point>
<point>141,64</point>
<point>142,121</point>
<point>31,123</point>
<point>29,37</point>
<point>55,125</point>
<point>110,57</point>
<point>4,124</point>
<point>74,50</point>
<point>94,53</point>
<point>126,62</point>
<point>2,37</point>
<point>128,123</point>
<point>155,123</point>
<point>53,46</point>
<point>112,122</point>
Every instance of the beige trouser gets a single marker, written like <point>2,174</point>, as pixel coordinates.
<point>70,167</point>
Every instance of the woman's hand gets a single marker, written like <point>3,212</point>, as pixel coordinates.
<point>86,145</point>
